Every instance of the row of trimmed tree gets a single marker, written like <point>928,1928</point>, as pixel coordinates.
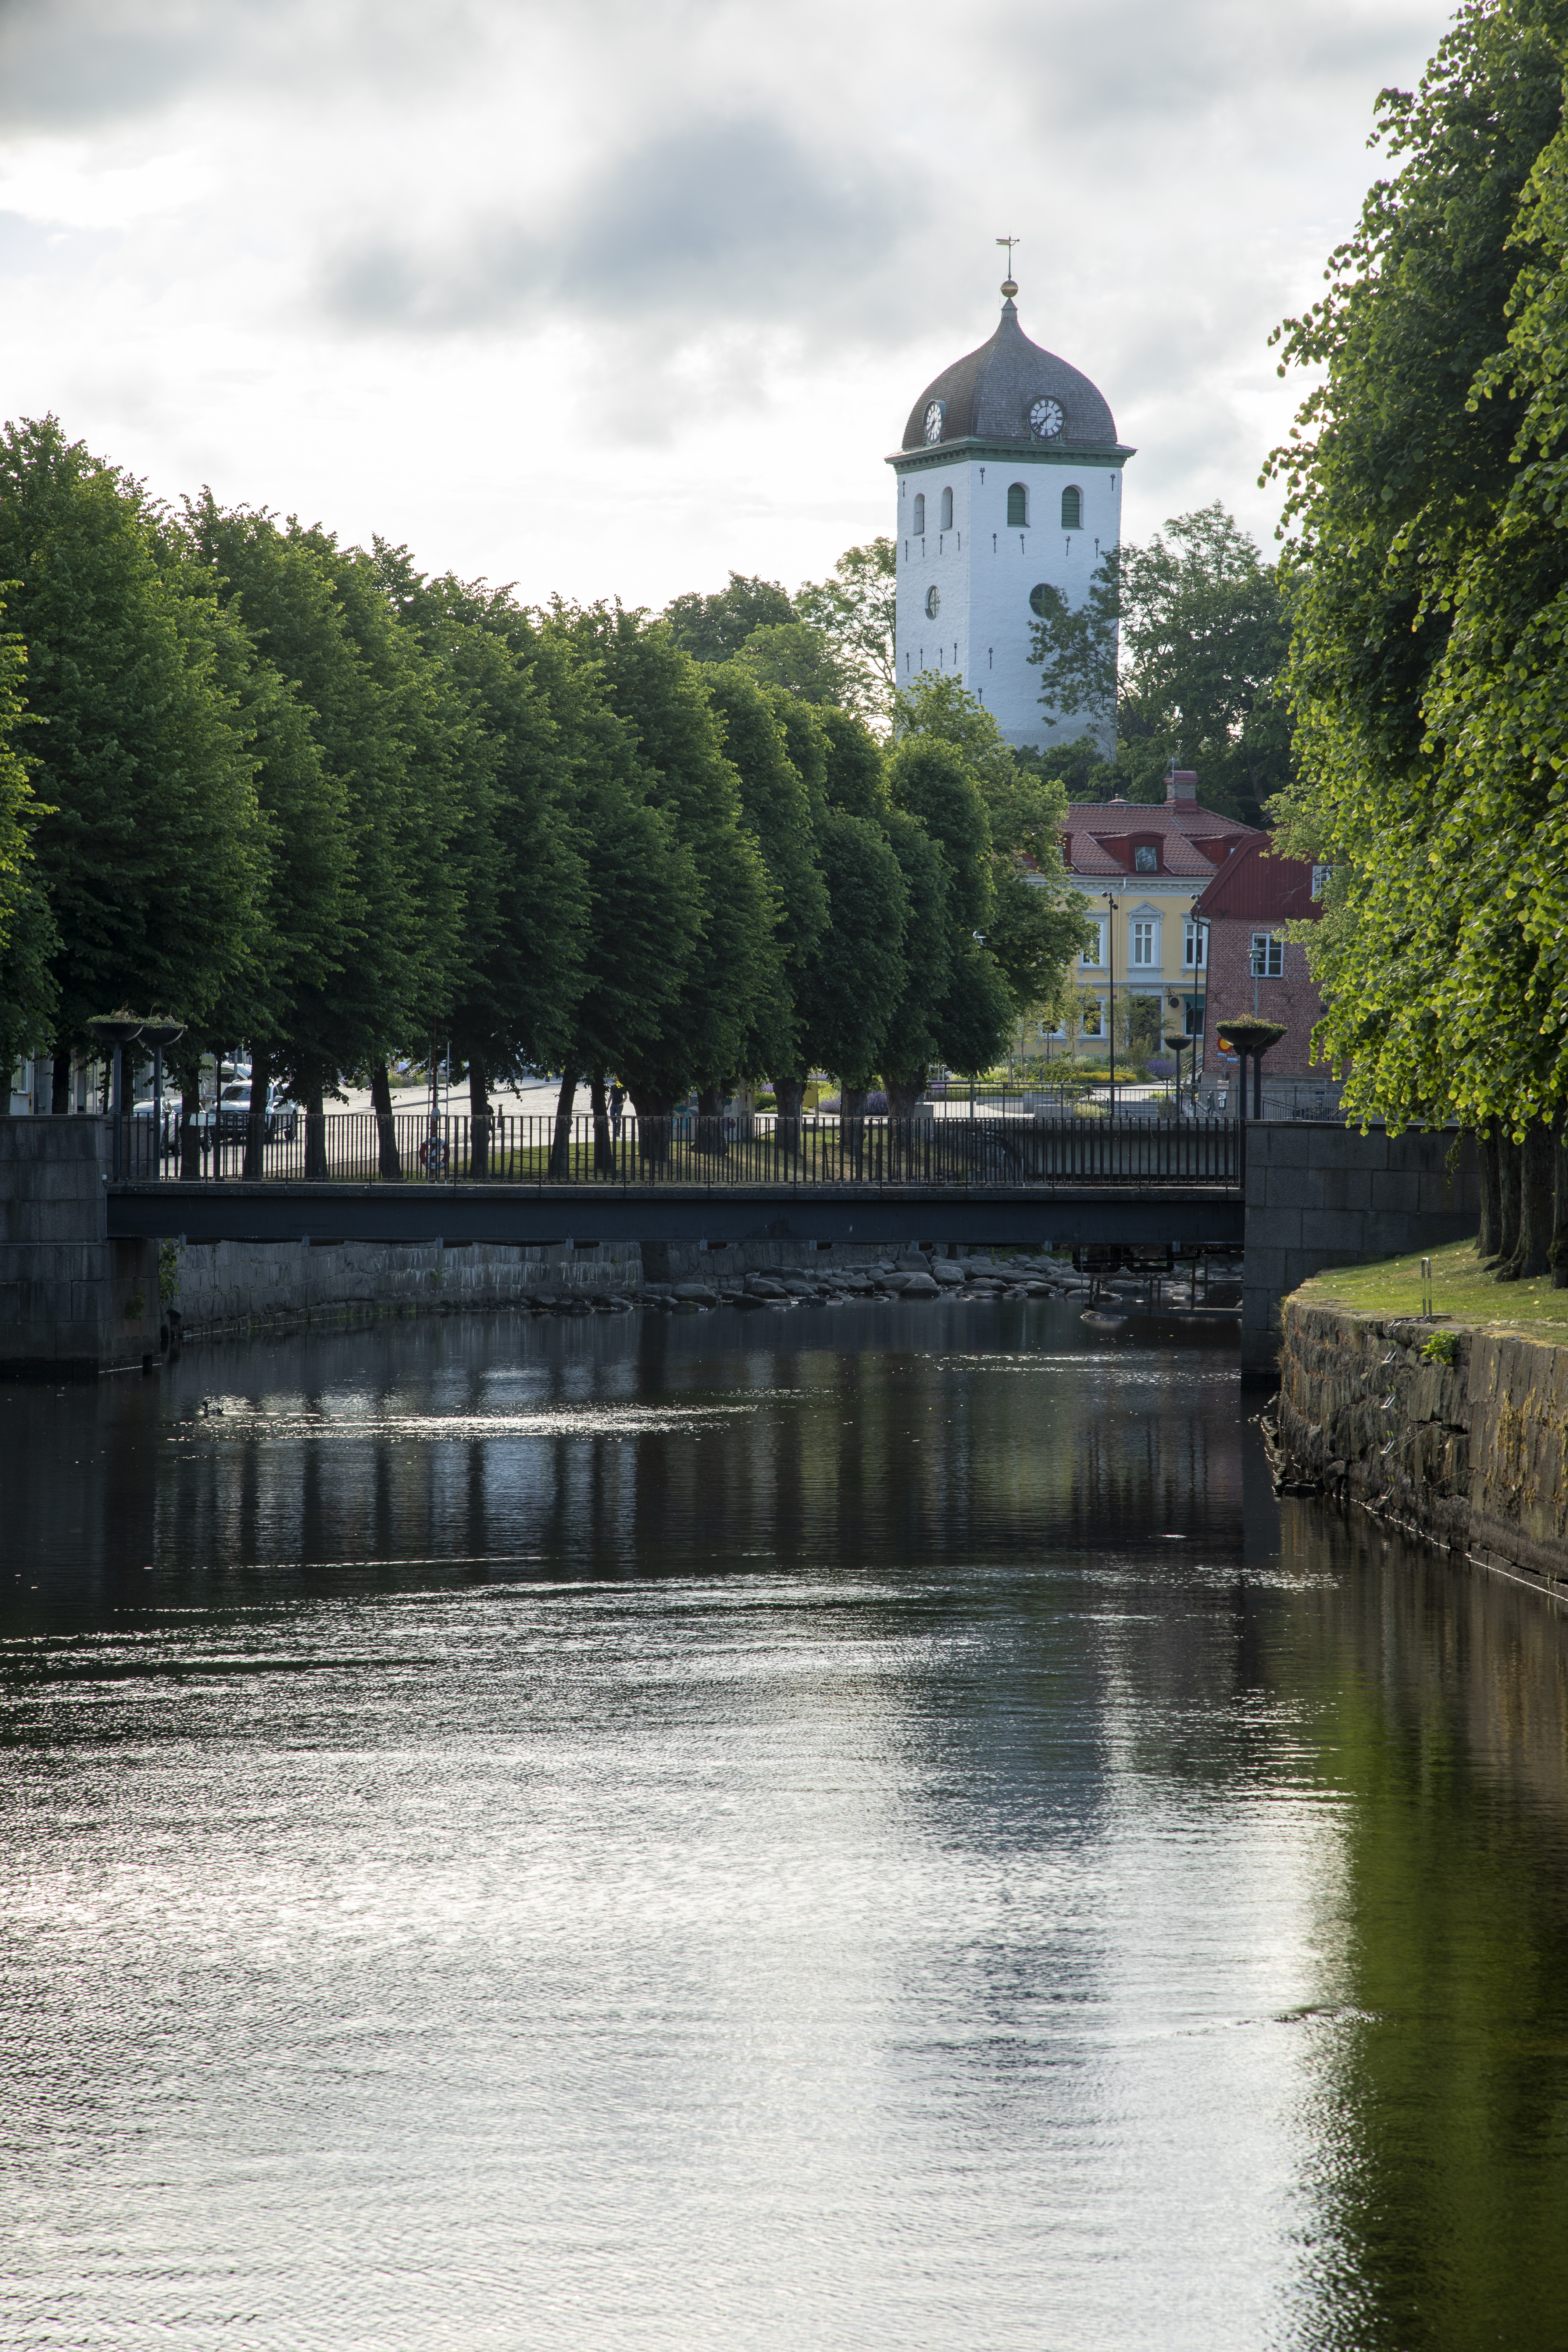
<point>304,797</point>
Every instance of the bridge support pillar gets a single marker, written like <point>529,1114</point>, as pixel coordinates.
<point>72,1302</point>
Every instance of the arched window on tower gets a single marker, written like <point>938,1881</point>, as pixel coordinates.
<point>920,513</point>
<point>1017,506</point>
<point>1072,508</point>
<point>946,523</point>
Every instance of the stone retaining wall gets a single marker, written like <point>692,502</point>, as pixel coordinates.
<point>72,1303</point>
<point>1472,1455</point>
<point>1321,1195</point>
<point>249,1285</point>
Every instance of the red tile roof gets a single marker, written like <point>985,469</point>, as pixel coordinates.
<point>1253,885</point>
<point>1099,838</point>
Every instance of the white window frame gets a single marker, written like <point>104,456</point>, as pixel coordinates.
<point>1095,962</point>
<point>1268,957</point>
<point>1195,942</point>
<point>1102,1019</point>
<point>1320,875</point>
<point>1143,932</point>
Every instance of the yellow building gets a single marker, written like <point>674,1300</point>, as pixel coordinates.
<point>1141,869</point>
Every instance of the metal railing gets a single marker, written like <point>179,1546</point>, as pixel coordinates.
<point>688,1150</point>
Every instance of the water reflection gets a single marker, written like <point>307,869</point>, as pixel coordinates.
<point>855,1828</point>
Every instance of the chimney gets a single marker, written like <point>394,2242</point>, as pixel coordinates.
<point>1181,785</point>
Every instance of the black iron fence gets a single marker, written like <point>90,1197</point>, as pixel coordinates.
<point>359,1148</point>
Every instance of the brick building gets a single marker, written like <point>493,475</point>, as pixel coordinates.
<point>1252,966</point>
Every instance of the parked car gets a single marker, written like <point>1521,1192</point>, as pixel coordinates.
<point>233,1118</point>
<point>145,1109</point>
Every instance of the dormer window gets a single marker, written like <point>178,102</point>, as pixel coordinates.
<point>1017,507</point>
<point>1072,508</point>
<point>946,523</point>
<point>919,512</point>
<point>1145,858</point>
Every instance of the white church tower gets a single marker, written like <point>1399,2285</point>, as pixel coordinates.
<point>1009,481</point>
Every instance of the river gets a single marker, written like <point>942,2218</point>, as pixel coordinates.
<point>851,1828</point>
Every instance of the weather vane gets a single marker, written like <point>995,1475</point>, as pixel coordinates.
<point>1009,242</point>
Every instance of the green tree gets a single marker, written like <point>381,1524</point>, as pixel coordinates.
<point>1037,925</point>
<point>1181,646</point>
<point>644,931</point>
<point>27,938</point>
<point>714,628</point>
<point>1077,763</point>
<point>661,695</point>
<point>915,1035</point>
<point>153,855</point>
<point>854,609</point>
<point>1429,574</point>
<point>857,975</point>
<point>374,895</point>
<point>521,864</point>
<point>853,774</point>
<point>964,1022</point>
<point>777,810</point>
<point>794,657</point>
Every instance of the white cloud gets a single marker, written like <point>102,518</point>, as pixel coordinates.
<point>611,298</point>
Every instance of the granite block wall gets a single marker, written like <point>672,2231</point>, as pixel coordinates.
<point>1471,1453</point>
<point>241,1285</point>
<point>1321,1195</point>
<point>72,1304</point>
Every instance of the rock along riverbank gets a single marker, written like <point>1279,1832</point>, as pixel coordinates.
<point>235,1288</point>
<point>1459,1437</point>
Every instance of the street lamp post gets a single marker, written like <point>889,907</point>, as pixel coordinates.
<point>160,1032</point>
<point>1110,960</point>
<point>117,1030</point>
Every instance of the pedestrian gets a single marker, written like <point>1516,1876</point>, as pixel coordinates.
<point>617,1107</point>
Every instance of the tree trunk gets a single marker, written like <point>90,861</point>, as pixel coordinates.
<point>255,1125</point>
<point>710,1121</point>
<point>1535,1205</point>
<point>388,1160</point>
<point>788,1095</point>
<point>904,1094</point>
<point>1507,1199</point>
<point>604,1162</point>
<point>851,1129</point>
<point>655,1113</point>
<point>1490,1235</point>
<point>561,1148</point>
<point>190,1133</point>
<point>60,1084</point>
<point>478,1119</point>
<point>1559,1252</point>
<point>315,1130</point>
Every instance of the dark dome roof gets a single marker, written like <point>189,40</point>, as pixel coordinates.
<point>988,396</point>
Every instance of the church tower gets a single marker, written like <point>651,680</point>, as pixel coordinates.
<point>1009,482</point>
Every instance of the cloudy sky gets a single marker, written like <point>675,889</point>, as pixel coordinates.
<point>609,296</point>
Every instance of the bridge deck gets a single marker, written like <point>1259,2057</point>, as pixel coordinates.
<point>1064,1215</point>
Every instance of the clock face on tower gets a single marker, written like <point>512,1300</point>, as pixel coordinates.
<point>1046,419</point>
<point>934,415</point>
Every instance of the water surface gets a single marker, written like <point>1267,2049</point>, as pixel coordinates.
<point>853,1828</point>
